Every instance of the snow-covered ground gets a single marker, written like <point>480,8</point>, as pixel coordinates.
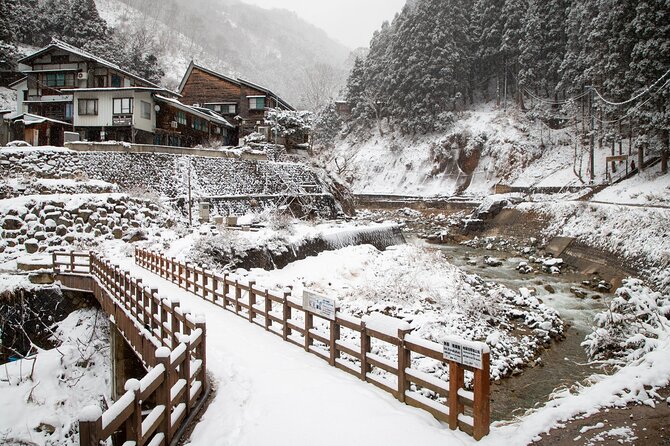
<point>7,99</point>
<point>515,152</point>
<point>43,394</point>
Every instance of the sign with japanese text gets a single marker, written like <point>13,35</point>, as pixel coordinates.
<point>320,305</point>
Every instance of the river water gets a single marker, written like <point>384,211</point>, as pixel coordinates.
<point>566,362</point>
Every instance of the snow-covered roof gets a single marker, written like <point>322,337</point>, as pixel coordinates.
<point>30,119</point>
<point>201,112</point>
<point>238,81</point>
<point>58,44</point>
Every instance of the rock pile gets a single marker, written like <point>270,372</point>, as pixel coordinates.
<point>38,225</point>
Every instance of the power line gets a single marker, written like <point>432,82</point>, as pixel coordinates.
<point>638,105</point>
<point>634,98</point>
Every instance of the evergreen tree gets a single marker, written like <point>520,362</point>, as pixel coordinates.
<point>84,27</point>
<point>7,47</point>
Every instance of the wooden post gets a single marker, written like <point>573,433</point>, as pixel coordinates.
<point>225,290</point>
<point>185,374</point>
<point>174,306</point>
<point>286,315</point>
<point>456,381</point>
<point>187,285</point>
<point>481,408</point>
<point>179,271</point>
<point>164,398</point>
<point>205,291</point>
<point>252,301</point>
<point>89,432</point>
<point>201,352</point>
<point>404,361</point>
<point>365,349</point>
<point>267,309</point>
<point>334,337</point>
<point>215,287</point>
<point>238,295</point>
<point>309,323</point>
<point>133,424</point>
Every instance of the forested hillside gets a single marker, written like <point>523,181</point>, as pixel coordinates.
<point>157,40</point>
<point>439,57</point>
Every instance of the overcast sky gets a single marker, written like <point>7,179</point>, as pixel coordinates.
<point>352,22</point>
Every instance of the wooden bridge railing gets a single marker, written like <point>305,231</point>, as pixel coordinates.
<point>169,342</point>
<point>278,312</point>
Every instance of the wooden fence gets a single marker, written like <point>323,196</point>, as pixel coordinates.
<point>169,342</point>
<point>278,312</point>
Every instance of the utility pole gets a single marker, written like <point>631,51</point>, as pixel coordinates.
<point>592,161</point>
<point>190,211</point>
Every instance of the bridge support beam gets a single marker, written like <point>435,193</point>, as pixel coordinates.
<point>124,362</point>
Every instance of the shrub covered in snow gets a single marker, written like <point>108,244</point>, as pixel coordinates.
<point>632,325</point>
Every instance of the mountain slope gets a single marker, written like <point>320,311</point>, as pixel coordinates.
<point>271,47</point>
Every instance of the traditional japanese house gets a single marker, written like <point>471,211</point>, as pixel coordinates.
<point>243,102</point>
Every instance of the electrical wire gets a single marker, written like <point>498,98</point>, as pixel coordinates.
<point>634,98</point>
<point>638,105</point>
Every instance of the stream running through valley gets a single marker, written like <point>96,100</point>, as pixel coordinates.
<point>565,362</point>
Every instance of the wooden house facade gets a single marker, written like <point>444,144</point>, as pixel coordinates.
<point>242,102</point>
<point>102,102</point>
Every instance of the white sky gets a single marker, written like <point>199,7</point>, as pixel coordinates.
<point>352,22</point>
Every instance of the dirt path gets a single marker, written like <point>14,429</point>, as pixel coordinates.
<point>639,425</point>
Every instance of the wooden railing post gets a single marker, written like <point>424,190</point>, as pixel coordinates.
<point>268,309</point>
<point>90,426</point>
<point>185,374</point>
<point>201,351</point>
<point>334,337</point>
<point>215,287</point>
<point>187,285</point>
<point>286,315</point>
<point>238,296</point>
<point>134,422</point>
<point>163,396</point>
<point>404,361</point>
<point>481,408</point>
<point>309,324</point>
<point>174,323</point>
<point>365,349</point>
<point>252,301</point>
<point>456,381</point>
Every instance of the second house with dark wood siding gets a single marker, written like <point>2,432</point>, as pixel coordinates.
<point>241,101</point>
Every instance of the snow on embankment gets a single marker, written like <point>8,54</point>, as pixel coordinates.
<point>435,297</point>
<point>637,234</point>
<point>482,148</point>
<point>41,397</point>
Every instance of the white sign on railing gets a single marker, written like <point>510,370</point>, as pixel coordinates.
<point>323,306</point>
<point>464,352</point>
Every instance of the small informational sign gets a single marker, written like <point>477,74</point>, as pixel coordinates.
<point>453,351</point>
<point>465,352</point>
<point>617,158</point>
<point>472,356</point>
<point>320,305</point>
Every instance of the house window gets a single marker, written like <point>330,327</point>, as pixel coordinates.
<point>88,107</point>
<point>59,79</point>
<point>68,111</point>
<point>199,124</point>
<point>123,106</point>
<point>100,81</point>
<point>229,109</point>
<point>116,81</point>
<point>146,110</point>
<point>257,103</point>
<point>25,95</point>
<point>181,117</point>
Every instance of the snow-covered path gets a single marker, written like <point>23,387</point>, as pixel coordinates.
<point>271,392</point>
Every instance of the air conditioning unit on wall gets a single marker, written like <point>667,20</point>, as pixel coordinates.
<point>82,76</point>
<point>174,124</point>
